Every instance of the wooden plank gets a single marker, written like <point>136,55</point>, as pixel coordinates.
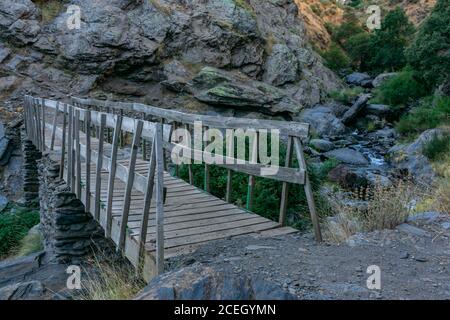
<point>285,187</point>
<point>188,212</point>
<point>63,144</point>
<point>87,124</point>
<point>200,230</point>
<point>112,174</point>
<point>77,153</point>
<point>43,125</point>
<point>98,171</point>
<point>189,240</point>
<point>129,186</point>
<point>146,207</point>
<point>38,126</point>
<point>188,142</point>
<point>229,152</point>
<point>181,219</point>
<point>70,148</point>
<point>55,119</point>
<point>251,178</point>
<point>291,175</point>
<point>159,152</point>
<point>308,190</point>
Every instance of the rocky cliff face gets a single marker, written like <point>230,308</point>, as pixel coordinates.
<point>155,51</point>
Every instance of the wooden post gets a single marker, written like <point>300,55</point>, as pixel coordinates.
<point>70,148</point>
<point>38,126</point>
<point>144,147</point>
<point>63,144</point>
<point>52,143</point>
<point>251,179</point>
<point>308,190</point>
<point>112,174</point>
<point>189,144</point>
<point>230,154</point>
<point>129,185</point>
<point>122,142</point>
<point>98,171</point>
<point>77,153</point>
<point>207,186</point>
<point>147,203</point>
<point>285,187</point>
<point>87,123</point>
<point>43,124</point>
<point>159,198</point>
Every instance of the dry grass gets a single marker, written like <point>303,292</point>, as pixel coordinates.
<point>379,208</point>
<point>32,243</point>
<point>111,280</point>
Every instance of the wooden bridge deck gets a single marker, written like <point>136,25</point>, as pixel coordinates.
<point>191,216</point>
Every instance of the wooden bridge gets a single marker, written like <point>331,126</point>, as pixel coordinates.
<point>148,213</point>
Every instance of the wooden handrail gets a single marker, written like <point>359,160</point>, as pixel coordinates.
<point>287,128</point>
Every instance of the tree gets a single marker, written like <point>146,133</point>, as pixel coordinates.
<point>336,58</point>
<point>387,45</point>
<point>429,54</point>
<point>358,48</point>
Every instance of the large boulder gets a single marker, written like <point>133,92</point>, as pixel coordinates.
<point>381,78</point>
<point>409,157</point>
<point>322,145</point>
<point>349,156</point>
<point>347,178</point>
<point>200,282</point>
<point>357,78</point>
<point>221,88</point>
<point>323,121</point>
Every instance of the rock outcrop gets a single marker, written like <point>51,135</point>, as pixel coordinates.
<point>410,158</point>
<point>150,51</point>
<point>199,282</point>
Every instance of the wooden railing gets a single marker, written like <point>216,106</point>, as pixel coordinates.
<point>152,130</point>
<point>93,123</point>
<point>294,132</point>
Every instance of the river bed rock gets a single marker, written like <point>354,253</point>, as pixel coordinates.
<point>323,121</point>
<point>349,156</point>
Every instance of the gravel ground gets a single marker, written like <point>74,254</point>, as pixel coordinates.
<point>414,261</point>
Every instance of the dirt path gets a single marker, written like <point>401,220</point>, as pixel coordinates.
<point>414,261</point>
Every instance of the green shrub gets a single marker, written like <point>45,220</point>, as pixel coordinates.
<point>267,192</point>
<point>430,113</point>
<point>335,58</point>
<point>50,9</point>
<point>437,147</point>
<point>359,50</point>
<point>350,27</point>
<point>388,43</point>
<point>15,222</point>
<point>400,90</point>
<point>429,53</point>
